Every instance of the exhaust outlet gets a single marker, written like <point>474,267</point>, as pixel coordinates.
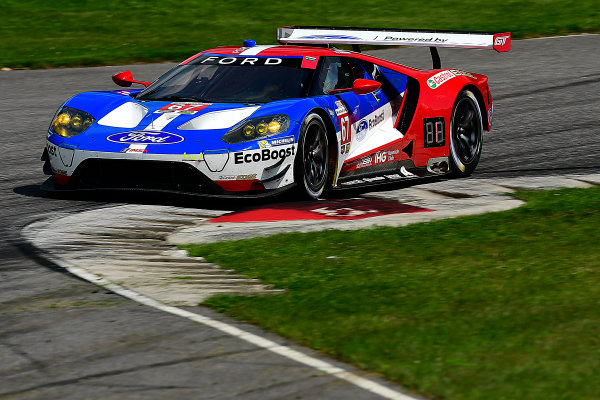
<point>438,165</point>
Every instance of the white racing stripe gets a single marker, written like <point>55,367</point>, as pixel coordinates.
<point>252,51</point>
<point>158,123</point>
<point>295,355</point>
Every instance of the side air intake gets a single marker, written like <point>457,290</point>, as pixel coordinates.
<point>410,105</point>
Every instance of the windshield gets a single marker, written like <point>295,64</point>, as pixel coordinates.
<point>219,79</point>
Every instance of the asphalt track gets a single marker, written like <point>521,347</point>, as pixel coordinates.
<point>64,338</point>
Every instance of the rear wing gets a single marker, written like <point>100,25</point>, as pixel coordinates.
<point>390,37</point>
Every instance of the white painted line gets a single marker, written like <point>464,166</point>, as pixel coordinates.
<point>561,36</point>
<point>251,338</point>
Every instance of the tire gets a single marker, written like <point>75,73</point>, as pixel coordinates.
<point>312,164</point>
<point>466,134</point>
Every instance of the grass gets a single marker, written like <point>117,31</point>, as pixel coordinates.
<point>39,33</point>
<point>496,306</point>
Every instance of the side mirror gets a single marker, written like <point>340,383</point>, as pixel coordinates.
<point>365,86</point>
<point>125,79</point>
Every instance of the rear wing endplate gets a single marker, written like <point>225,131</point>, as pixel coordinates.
<point>390,37</point>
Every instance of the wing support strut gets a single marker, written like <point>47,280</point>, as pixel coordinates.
<point>435,57</point>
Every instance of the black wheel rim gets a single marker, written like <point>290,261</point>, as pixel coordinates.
<point>315,156</point>
<point>466,131</point>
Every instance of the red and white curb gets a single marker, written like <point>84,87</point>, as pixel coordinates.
<point>127,249</point>
<point>422,203</point>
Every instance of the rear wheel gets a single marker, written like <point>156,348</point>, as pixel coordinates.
<point>312,162</point>
<point>466,134</point>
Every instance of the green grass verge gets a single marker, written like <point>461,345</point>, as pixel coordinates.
<point>497,306</point>
<point>40,33</point>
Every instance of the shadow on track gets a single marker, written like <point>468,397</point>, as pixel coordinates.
<point>113,197</point>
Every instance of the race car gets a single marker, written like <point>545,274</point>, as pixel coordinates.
<point>260,119</point>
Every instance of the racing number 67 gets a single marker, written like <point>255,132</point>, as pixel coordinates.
<point>345,128</point>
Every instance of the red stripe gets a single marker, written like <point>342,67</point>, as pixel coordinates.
<point>241,186</point>
<point>316,210</point>
<point>61,179</point>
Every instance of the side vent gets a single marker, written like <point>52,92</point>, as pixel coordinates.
<point>410,105</point>
<point>409,149</point>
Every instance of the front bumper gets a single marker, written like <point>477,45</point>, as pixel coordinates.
<point>210,172</point>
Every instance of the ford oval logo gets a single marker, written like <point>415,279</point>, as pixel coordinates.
<point>361,130</point>
<point>145,137</point>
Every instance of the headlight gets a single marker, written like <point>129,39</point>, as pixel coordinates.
<point>257,128</point>
<point>70,122</point>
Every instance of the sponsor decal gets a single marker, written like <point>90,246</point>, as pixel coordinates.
<point>340,108</point>
<point>227,178</point>
<point>376,120</point>
<point>364,162</point>
<point>380,157</point>
<point>368,123</point>
<point>413,39</point>
<point>345,127</point>
<point>245,177</point>
<point>264,144</point>
<point>182,108</point>
<point>240,60</point>
<point>122,92</point>
<point>330,37</point>
<point>264,155</point>
<point>500,40</point>
<point>146,137</point>
<point>240,50</point>
<point>51,150</point>
<point>440,78</point>
<point>362,129</point>
<point>135,148</point>
<point>309,62</point>
<point>193,157</point>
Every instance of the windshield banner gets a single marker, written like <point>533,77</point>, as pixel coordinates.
<point>254,61</point>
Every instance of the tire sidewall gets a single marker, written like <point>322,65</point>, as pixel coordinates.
<point>459,167</point>
<point>299,167</point>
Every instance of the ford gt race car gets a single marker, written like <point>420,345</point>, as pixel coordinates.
<point>262,119</point>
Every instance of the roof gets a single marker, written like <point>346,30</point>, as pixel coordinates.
<point>293,50</point>
<point>272,50</point>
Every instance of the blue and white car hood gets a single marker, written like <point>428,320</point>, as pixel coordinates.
<point>165,127</point>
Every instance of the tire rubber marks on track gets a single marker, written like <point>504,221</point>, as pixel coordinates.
<point>284,351</point>
<point>44,235</point>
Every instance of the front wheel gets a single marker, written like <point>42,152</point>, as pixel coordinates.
<point>312,161</point>
<point>466,134</point>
